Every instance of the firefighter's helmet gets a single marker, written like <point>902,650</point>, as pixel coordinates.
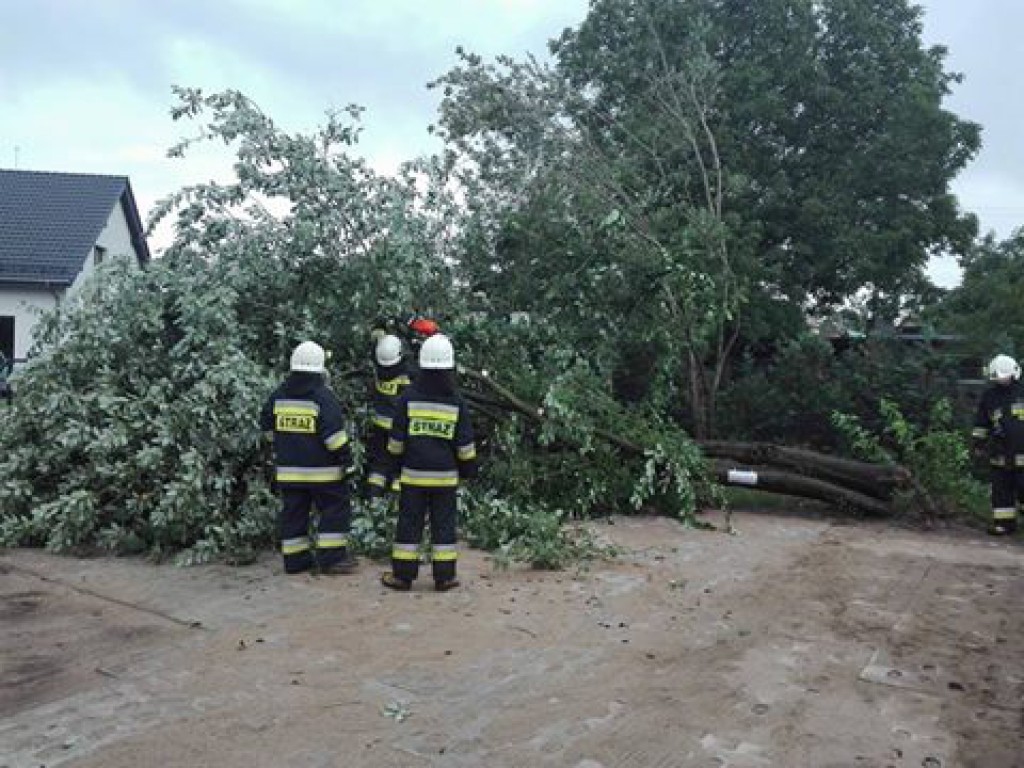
<point>437,354</point>
<point>1003,369</point>
<point>308,357</point>
<point>389,350</point>
<point>421,327</point>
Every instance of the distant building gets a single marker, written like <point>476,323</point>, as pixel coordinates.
<point>54,229</point>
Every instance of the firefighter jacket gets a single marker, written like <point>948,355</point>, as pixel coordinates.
<point>390,382</point>
<point>307,423</point>
<point>432,437</point>
<point>1000,421</point>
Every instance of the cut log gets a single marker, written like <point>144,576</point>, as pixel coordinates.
<point>876,480</point>
<point>776,481</point>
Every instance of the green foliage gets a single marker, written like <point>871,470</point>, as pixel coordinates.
<point>682,159</point>
<point>532,533</point>
<point>136,432</point>
<point>937,453</point>
<point>986,308</point>
<point>135,425</point>
<point>769,400</point>
<point>813,99</point>
<point>373,526</point>
<point>586,453</point>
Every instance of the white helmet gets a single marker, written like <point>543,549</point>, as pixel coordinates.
<point>437,353</point>
<point>1003,368</point>
<point>308,357</point>
<point>388,350</point>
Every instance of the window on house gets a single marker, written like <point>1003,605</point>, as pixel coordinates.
<point>99,253</point>
<point>7,338</point>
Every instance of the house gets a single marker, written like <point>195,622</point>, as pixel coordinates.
<point>54,229</point>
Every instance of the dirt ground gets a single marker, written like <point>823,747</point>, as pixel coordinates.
<point>800,641</point>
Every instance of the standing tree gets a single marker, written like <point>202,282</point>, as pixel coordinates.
<point>682,157</point>
<point>986,308</point>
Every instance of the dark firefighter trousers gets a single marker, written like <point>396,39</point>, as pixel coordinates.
<point>1007,495</point>
<point>381,474</point>
<point>415,505</point>
<point>330,544</point>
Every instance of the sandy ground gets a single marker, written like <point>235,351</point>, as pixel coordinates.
<point>798,642</point>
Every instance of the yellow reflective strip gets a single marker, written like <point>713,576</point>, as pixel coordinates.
<point>295,410</point>
<point>383,422</point>
<point>467,452</point>
<point>336,441</point>
<point>429,482</point>
<point>378,479</point>
<point>444,555</point>
<point>294,546</point>
<point>309,475</point>
<point>423,413</point>
<point>395,447</point>
<point>979,432</point>
<point>998,461</point>
<point>1004,513</point>
<point>290,478</point>
<point>404,554</point>
<point>322,543</point>
<point>410,472</point>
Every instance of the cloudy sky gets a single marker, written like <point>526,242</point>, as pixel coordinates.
<point>85,85</point>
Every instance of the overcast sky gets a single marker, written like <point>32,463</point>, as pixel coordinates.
<point>85,86</point>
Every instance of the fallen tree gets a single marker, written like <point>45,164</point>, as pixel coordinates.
<point>135,429</point>
<point>862,486</point>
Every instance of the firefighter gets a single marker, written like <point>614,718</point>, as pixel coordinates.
<point>432,440</point>
<point>1000,423</point>
<point>389,381</point>
<point>417,330</point>
<point>313,461</point>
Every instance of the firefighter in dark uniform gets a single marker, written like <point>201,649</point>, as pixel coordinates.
<point>389,382</point>
<point>313,462</point>
<point>432,440</point>
<point>1000,423</point>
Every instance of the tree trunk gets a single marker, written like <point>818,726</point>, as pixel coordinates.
<point>871,479</point>
<point>698,398</point>
<point>776,481</point>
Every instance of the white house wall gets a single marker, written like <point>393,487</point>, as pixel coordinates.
<point>25,305</point>
<point>116,239</point>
